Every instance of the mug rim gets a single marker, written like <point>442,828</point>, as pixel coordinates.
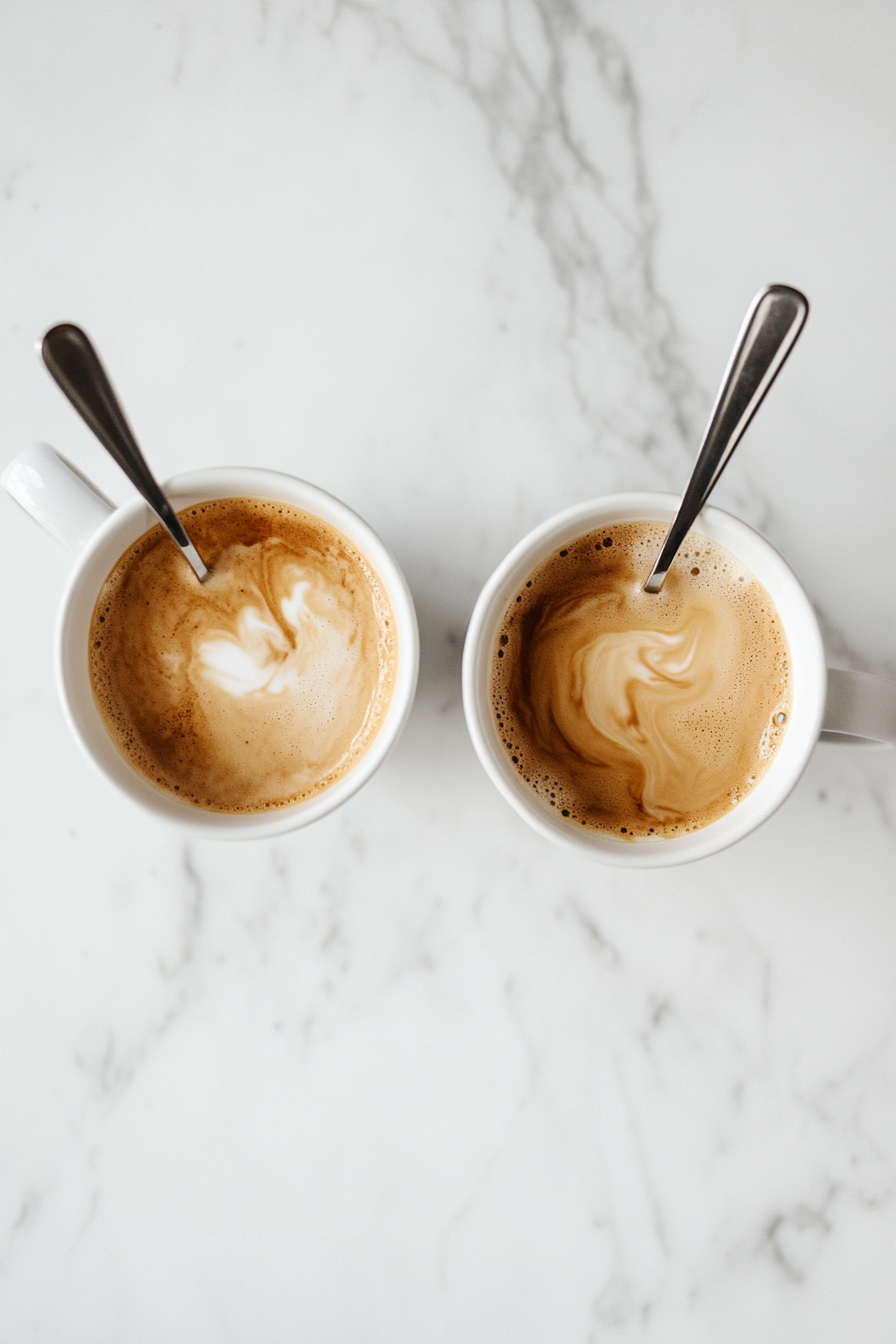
<point>807,663</point>
<point>123,526</point>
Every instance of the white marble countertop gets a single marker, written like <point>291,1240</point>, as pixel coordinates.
<point>413,1075</point>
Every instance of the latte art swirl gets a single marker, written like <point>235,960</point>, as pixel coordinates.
<point>302,645</point>
<point>637,713</point>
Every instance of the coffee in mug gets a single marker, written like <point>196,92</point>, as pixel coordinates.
<point>247,706</point>
<point>261,686</point>
<point>634,714</point>
<point>685,768</point>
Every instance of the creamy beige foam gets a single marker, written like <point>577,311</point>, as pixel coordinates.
<point>261,686</point>
<point>638,714</point>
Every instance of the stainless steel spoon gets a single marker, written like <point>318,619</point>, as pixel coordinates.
<point>773,322</point>
<point>73,362</point>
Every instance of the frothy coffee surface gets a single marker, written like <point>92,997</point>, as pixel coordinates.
<point>261,686</point>
<point>641,715</point>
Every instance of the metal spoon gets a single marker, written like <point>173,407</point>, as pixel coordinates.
<point>773,322</point>
<point>73,362</point>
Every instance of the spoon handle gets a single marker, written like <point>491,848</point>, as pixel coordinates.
<point>71,359</point>
<point>773,322</point>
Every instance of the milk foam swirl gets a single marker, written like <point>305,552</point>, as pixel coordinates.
<point>309,641</point>
<point>259,687</point>
<point>637,713</point>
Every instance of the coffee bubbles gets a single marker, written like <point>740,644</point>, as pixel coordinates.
<point>260,687</point>
<point>640,715</point>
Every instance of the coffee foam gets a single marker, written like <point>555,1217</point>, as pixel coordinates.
<point>641,715</point>
<point>261,686</point>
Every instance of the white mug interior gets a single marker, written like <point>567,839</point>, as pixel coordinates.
<point>119,531</point>
<point>807,667</point>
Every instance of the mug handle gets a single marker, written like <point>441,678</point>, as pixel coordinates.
<point>53,491</point>
<point>860,710</point>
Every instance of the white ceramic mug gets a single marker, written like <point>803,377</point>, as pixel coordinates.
<point>68,506</point>
<point>827,703</point>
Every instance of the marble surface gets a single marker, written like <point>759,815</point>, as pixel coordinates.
<point>414,1075</point>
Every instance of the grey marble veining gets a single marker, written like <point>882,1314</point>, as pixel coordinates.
<point>558,98</point>
<point>413,1074</point>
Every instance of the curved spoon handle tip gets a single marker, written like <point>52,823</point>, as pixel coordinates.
<point>770,330</point>
<point>67,352</point>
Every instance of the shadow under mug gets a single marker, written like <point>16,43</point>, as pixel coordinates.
<point>69,507</point>
<point>836,705</point>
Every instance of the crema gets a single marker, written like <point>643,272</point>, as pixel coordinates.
<point>258,688</point>
<point>641,715</point>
